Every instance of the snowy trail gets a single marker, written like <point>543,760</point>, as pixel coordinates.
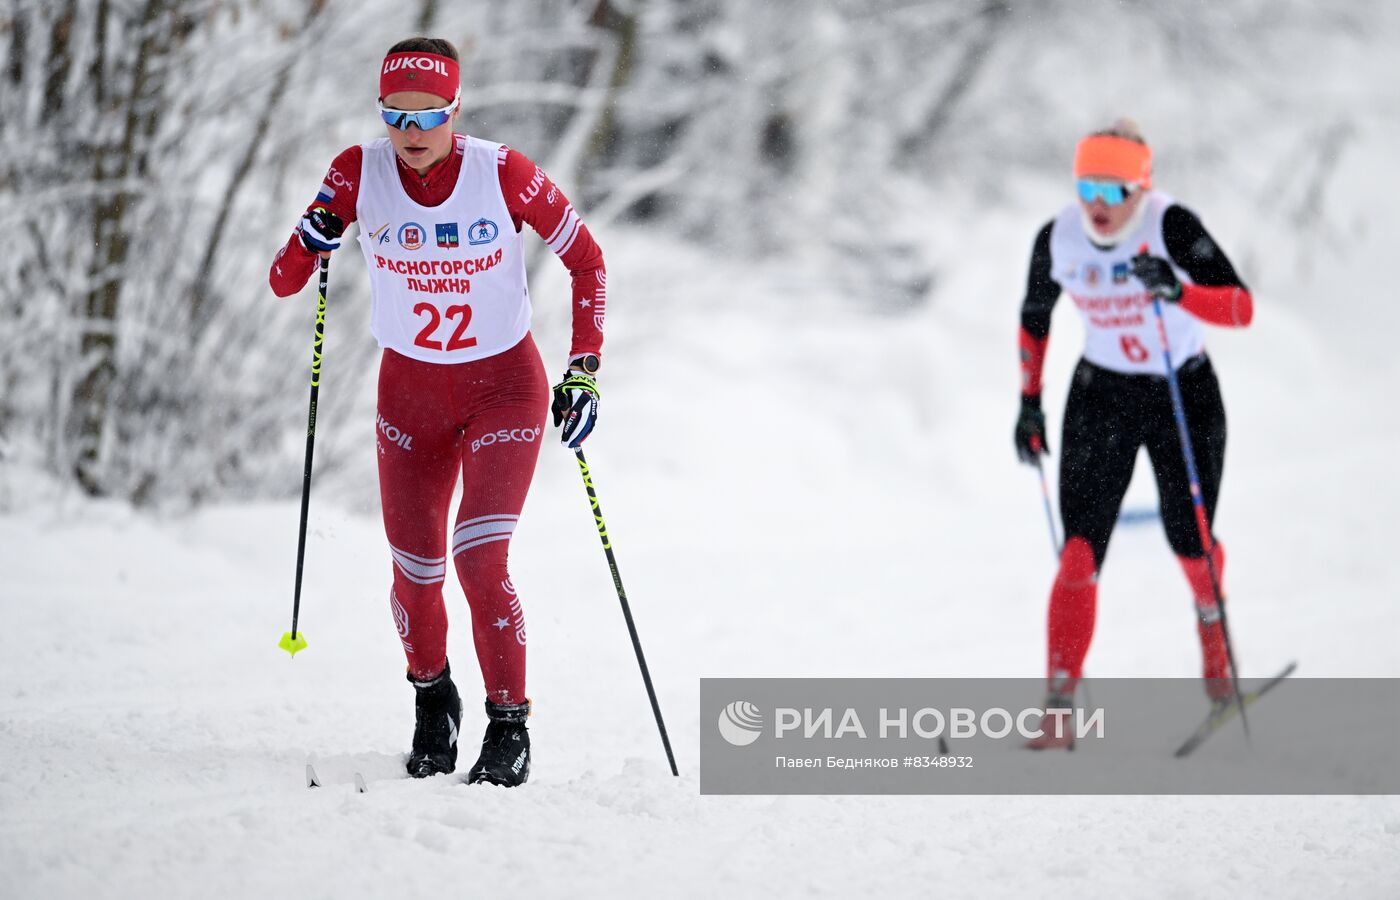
<point>157,741</point>
<point>845,503</point>
<point>153,737</point>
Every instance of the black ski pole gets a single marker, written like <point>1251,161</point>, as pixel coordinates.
<point>626,610</point>
<point>292,641</point>
<point>1049,514</point>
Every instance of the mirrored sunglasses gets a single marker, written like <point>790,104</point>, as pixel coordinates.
<point>425,119</point>
<point>1110,192</point>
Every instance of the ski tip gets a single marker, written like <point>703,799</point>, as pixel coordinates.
<point>360,785</point>
<point>293,644</point>
<point>311,780</point>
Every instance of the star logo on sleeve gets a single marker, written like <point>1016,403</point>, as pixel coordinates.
<point>502,624</point>
<point>583,304</point>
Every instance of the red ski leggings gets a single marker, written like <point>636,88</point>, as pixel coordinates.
<point>485,419</point>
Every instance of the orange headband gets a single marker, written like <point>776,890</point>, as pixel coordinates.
<point>1113,157</point>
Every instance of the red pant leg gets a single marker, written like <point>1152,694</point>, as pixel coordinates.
<point>1215,658</point>
<point>1073,604</point>
<point>419,449</point>
<point>501,443</point>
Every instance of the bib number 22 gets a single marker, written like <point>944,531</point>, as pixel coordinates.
<point>1133,348</point>
<point>459,341</point>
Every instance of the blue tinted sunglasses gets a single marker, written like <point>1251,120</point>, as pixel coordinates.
<point>425,119</point>
<point>1110,192</point>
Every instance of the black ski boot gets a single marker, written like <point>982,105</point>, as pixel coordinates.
<point>505,750</point>
<point>438,719</point>
<point>1055,733</point>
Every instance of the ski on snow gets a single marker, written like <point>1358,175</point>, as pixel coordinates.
<point>1219,716</point>
<point>1223,713</point>
<point>312,781</point>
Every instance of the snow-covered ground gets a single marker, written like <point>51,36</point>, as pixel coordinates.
<point>794,487</point>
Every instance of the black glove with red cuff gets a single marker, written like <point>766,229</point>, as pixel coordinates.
<point>1030,431</point>
<point>1157,277</point>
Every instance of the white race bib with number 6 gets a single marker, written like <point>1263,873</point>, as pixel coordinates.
<point>1120,328</point>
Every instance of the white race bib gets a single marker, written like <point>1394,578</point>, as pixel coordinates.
<point>447,283</point>
<point>1120,328</point>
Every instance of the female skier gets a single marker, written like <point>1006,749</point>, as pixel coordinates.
<point>1119,246</point>
<point>461,385</point>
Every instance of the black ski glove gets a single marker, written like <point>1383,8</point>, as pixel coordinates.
<point>320,230</point>
<point>1157,276</point>
<point>1030,431</point>
<point>575,407</point>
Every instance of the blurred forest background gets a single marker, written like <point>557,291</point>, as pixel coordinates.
<point>155,153</point>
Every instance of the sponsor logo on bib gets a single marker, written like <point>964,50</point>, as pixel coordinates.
<point>482,231</point>
<point>411,236</point>
<point>447,235</point>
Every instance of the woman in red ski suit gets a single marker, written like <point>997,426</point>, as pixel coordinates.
<point>461,385</point>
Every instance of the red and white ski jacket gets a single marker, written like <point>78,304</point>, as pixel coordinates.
<point>531,198</point>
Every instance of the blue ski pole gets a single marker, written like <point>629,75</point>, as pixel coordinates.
<point>1197,499</point>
